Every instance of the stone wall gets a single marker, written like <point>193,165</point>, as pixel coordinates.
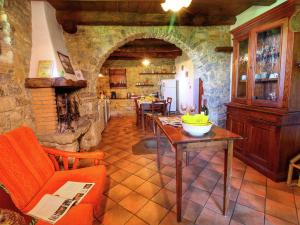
<point>91,45</point>
<point>133,70</point>
<point>15,45</point>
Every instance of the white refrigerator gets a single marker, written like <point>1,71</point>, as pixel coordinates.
<point>169,88</point>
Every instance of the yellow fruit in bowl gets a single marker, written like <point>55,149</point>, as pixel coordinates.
<point>198,119</point>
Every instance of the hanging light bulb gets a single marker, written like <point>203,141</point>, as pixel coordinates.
<point>146,62</point>
<point>175,5</point>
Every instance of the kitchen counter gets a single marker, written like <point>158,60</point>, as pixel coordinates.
<point>122,107</point>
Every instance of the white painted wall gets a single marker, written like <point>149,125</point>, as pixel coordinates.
<point>253,12</point>
<point>47,38</point>
<point>186,83</point>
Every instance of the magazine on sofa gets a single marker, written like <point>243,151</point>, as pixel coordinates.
<point>52,208</point>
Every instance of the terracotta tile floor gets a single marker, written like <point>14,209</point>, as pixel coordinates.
<point>137,193</point>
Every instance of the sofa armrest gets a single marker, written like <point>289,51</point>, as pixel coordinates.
<point>54,153</point>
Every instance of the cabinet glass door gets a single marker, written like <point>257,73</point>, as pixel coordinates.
<point>267,65</point>
<point>242,66</point>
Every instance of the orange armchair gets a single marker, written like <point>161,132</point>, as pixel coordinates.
<point>54,153</point>
<point>29,171</point>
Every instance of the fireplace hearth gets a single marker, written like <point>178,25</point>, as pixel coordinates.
<point>67,111</point>
<point>56,108</point>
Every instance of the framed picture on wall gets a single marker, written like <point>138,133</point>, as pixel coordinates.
<point>79,75</point>
<point>66,63</point>
<point>45,68</point>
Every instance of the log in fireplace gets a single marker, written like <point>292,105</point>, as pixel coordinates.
<point>67,111</point>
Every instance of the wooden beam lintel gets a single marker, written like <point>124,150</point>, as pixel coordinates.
<point>147,54</point>
<point>227,49</point>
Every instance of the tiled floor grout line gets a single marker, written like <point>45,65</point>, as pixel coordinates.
<point>212,165</point>
<point>148,200</point>
<point>296,206</point>
<point>265,209</point>
<point>235,202</point>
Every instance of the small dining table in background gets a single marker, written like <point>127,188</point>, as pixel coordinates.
<point>178,138</point>
<point>144,107</point>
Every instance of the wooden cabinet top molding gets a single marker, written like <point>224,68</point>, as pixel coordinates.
<point>283,10</point>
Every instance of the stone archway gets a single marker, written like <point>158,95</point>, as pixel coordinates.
<point>198,43</point>
<point>186,83</point>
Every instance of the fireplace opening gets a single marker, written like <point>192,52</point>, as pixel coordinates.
<point>67,105</point>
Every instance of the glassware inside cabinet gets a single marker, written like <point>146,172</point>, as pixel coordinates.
<point>242,69</point>
<point>267,67</point>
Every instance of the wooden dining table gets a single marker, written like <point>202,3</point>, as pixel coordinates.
<point>178,139</point>
<point>144,106</point>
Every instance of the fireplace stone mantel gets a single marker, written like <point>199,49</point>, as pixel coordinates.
<point>58,82</point>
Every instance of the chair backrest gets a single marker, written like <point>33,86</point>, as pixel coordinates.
<point>159,106</point>
<point>24,165</point>
<point>169,103</point>
<point>136,104</point>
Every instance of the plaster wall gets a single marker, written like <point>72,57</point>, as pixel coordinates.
<point>47,39</point>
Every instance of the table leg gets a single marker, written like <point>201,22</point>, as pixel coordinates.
<point>158,145</point>
<point>179,156</point>
<point>143,116</point>
<point>187,160</point>
<point>227,175</point>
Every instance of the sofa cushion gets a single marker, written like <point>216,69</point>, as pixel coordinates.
<point>94,174</point>
<point>78,215</point>
<point>24,166</point>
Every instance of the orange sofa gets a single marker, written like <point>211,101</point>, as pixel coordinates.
<point>29,171</point>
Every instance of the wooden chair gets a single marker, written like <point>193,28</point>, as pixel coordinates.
<point>293,164</point>
<point>169,103</point>
<point>158,108</point>
<point>138,112</point>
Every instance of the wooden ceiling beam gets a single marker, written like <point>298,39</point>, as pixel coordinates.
<point>71,13</point>
<point>232,7</point>
<point>149,49</point>
<point>113,18</point>
<point>133,58</point>
<point>252,2</point>
<point>69,19</point>
<point>141,55</point>
<point>148,42</point>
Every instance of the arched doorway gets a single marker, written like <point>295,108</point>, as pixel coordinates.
<point>167,63</point>
<point>197,43</point>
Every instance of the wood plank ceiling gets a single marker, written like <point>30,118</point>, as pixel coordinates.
<point>71,13</point>
<point>146,48</point>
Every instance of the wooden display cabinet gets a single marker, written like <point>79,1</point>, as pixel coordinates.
<point>265,107</point>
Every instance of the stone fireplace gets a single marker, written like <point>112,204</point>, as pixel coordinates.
<point>56,110</point>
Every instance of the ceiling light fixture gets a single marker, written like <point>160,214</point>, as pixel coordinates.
<point>146,62</point>
<point>100,75</point>
<point>175,5</point>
